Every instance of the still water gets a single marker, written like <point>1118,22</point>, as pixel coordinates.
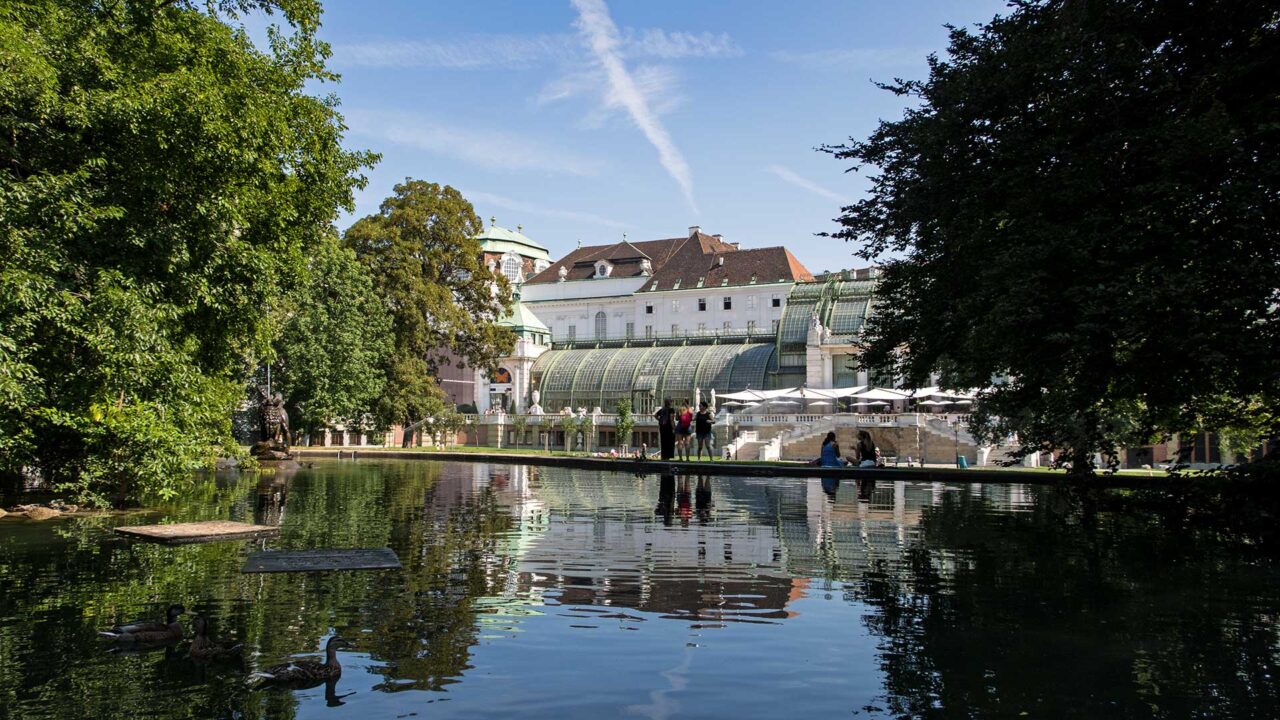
<point>543,592</point>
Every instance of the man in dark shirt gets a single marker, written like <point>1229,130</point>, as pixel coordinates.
<point>666,417</point>
<point>702,423</point>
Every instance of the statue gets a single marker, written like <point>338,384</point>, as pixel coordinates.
<point>274,446</point>
<point>275,419</point>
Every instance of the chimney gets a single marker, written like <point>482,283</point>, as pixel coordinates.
<point>694,230</point>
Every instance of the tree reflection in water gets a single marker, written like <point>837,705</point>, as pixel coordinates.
<point>981,602</point>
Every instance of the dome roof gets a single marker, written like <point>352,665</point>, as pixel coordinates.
<point>496,239</point>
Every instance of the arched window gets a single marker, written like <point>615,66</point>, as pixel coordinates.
<point>602,325</point>
<point>511,269</point>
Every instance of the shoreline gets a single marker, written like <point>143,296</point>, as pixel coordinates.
<point>749,469</point>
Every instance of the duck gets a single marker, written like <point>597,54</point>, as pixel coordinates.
<point>304,671</point>
<point>202,648</point>
<point>148,632</point>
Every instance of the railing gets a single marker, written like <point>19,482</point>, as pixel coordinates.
<point>644,419</point>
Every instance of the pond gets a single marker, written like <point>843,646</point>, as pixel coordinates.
<point>554,593</point>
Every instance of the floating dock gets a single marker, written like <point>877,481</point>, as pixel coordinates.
<point>322,560</point>
<point>198,532</point>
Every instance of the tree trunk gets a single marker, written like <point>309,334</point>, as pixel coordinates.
<point>1081,462</point>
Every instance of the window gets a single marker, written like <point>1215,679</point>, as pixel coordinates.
<point>648,309</point>
<point>728,325</point>
<point>751,326</point>
<point>602,325</point>
<point>675,306</point>
<point>573,332</point>
<point>648,331</point>
<point>751,302</point>
<point>511,269</point>
<point>631,330</point>
<point>702,327</point>
<point>728,303</point>
<point>675,329</point>
<point>702,304</point>
<point>776,301</point>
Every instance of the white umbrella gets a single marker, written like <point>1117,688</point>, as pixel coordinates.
<point>874,403</point>
<point>881,394</point>
<point>734,403</point>
<point>961,402</point>
<point>933,402</point>
<point>926,392</point>
<point>820,402</point>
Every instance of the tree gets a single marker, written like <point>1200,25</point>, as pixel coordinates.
<point>519,424</point>
<point>422,250</point>
<point>330,358</point>
<point>1083,204</point>
<point>625,424</point>
<point>161,181</point>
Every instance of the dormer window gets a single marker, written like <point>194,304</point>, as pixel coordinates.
<point>603,269</point>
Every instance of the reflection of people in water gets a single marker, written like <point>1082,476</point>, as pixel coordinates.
<point>830,486</point>
<point>684,500</point>
<point>702,498</point>
<point>866,486</point>
<point>666,497</point>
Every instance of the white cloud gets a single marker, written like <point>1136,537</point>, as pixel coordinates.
<point>672,45</point>
<point>800,182</point>
<point>855,57</point>
<point>602,38</point>
<point>518,206</point>
<point>522,51</point>
<point>492,149</point>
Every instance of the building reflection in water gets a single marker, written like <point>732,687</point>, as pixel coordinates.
<point>653,544</point>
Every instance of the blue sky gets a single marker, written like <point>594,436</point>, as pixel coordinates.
<point>585,119</point>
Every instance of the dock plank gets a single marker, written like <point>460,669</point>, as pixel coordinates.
<point>322,560</point>
<point>197,532</point>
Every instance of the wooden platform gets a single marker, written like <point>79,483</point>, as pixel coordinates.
<point>322,560</point>
<point>197,532</point>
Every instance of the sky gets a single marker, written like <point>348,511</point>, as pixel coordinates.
<point>584,120</point>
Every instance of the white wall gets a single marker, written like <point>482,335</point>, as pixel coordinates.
<point>574,307</point>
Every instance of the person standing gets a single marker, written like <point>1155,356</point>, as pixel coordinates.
<point>702,423</point>
<point>684,431</point>
<point>666,417</point>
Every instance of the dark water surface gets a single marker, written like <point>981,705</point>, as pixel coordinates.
<point>550,593</point>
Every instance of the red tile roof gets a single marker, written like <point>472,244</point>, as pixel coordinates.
<point>684,259</point>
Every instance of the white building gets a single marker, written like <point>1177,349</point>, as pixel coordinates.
<point>692,286</point>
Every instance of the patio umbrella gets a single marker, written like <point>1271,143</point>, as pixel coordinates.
<point>881,394</point>
<point>961,402</point>
<point>873,403</point>
<point>933,402</point>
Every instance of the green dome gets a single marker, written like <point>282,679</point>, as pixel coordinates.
<point>495,239</point>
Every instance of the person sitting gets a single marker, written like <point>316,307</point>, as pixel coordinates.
<point>867,450</point>
<point>829,456</point>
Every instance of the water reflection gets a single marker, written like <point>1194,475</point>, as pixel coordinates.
<point>546,592</point>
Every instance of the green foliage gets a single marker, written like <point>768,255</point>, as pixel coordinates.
<point>1083,202</point>
<point>519,424</point>
<point>161,179</point>
<point>332,353</point>
<point>422,250</point>
<point>626,422</point>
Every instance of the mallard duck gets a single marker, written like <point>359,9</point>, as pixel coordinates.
<point>146,632</point>
<point>304,671</point>
<point>202,648</point>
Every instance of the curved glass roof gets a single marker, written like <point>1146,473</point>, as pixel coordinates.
<point>602,376</point>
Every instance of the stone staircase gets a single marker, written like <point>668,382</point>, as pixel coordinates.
<point>936,439</point>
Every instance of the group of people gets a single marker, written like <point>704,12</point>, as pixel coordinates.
<point>865,454</point>
<point>677,428</point>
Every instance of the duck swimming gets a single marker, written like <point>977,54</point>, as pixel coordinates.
<point>305,671</point>
<point>202,648</point>
<point>148,632</point>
